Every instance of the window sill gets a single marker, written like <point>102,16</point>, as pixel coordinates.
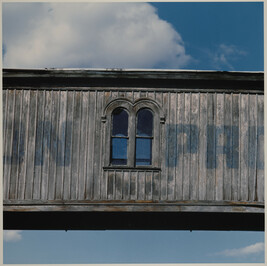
<point>132,168</point>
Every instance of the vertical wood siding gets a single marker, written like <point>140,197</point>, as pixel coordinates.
<point>211,147</point>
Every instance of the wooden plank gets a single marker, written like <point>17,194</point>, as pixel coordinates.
<point>211,144</point>
<point>179,166</point>
<point>126,185</point>
<point>260,148</point>
<point>111,185</point>
<point>252,147</point>
<point>162,150</point>
<point>8,141</point>
<point>171,155</point>
<point>104,192</point>
<point>220,143</point>
<point>244,123</point>
<point>97,143</point>
<point>187,145</point>
<point>90,151</point>
<point>5,94</point>
<point>46,145</point>
<point>139,208</point>
<point>31,145</point>
<point>55,97</point>
<point>68,146</point>
<point>4,119</point>
<point>76,131</point>
<point>15,146</point>
<point>39,145</point>
<point>148,185</point>
<point>141,185</point>
<point>235,185</point>
<point>198,203</point>
<point>133,186</point>
<point>163,99</point>
<point>194,126</point>
<point>228,142</point>
<point>202,146</point>
<point>118,185</point>
<point>156,186</point>
<point>83,146</point>
<point>23,143</point>
<point>104,148</point>
<point>61,144</point>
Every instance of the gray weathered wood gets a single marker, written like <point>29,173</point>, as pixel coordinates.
<point>133,186</point>
<point>194,151</point>
<point>148,185</point>
<point>202,146</point>
<point>227,171</point>
<point>83,156</point>
<point>55,98</point>
<point>46,145</point>
<point>187,145</point>
<point>180,147</point>
<point>118,185</point>
<point>68,146</point>
<point>244,123</point>
<point>235,185</point>
<point>8,142</point>
<point>126,185</point>
<point>90,152</point>
<point>15,146</point>
<point>75,151</point>
<point>260,149</point>
<point>171,151</point>
<point>31,145</point>
<point>39,145</point>
<point>156,186</point>
<point>141,185</point>
<point>219,144</point>
<point>252,147</point>
<point>211,144</point>
<point>61,145</point>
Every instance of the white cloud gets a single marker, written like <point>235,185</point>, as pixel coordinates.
<point>108,35</point>
<point>249,250</point>
<point>226,54</point>
<point>12,235</point>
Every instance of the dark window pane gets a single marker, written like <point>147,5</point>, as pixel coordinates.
<point>119,122</point>
<point>119,151</point>
<point>144,123</point>
<point>143,151</point>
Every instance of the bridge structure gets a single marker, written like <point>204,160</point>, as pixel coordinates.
<point>133,149</point>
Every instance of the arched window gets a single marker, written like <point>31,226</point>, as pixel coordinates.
<point>132,134</point>
<point>144,137</point>
<point>119,137</point>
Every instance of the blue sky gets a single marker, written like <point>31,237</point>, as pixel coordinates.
<point>134,247</point>
<point>202,36</point>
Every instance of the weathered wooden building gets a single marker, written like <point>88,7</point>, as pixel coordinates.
<point>133,149</point>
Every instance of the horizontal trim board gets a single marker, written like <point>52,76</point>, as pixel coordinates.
<point>194,89</point>
<point>138,83</point>
<point>134,202</point>
<point>133,221</point>
<point>137,73</point>
<point>135,207</point>
<point>132,78</point>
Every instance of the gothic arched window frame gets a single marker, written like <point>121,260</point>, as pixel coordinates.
<point>132,109</point>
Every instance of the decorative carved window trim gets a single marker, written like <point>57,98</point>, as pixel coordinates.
<point>132,109</point>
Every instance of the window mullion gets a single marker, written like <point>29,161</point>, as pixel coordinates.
<point>131,144</point>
